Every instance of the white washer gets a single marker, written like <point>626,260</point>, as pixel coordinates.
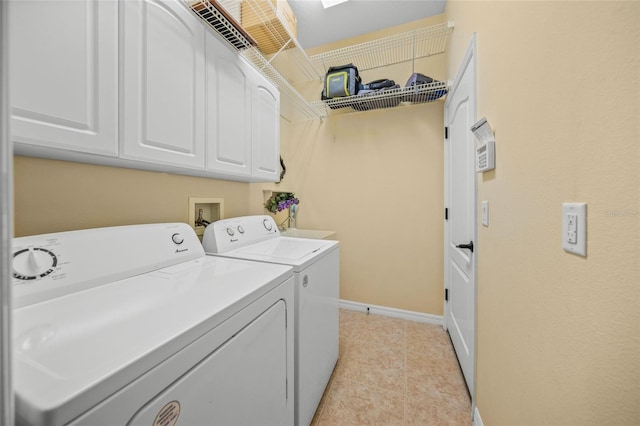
<point>134,325</point>
<point>316,266</point>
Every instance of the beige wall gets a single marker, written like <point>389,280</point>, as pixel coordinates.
<point>376,178</point>
<point>53,196</point>
<point>558,334</point>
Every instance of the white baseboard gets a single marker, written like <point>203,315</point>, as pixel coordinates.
<point>477,421</point>
<point>392,312</point>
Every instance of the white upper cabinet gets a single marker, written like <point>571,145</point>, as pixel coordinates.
<point>162,76</point>
<point>125,83</point>
<point>243,116</point>
<point>265,124</point>
<point>228,110</point>
<point>63,76</point>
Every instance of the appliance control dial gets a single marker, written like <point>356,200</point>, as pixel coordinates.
<point>230,231</point>
<point>267,224</point>
<point>177,238</point>
<point>33,263</point>
<point>240,229</point>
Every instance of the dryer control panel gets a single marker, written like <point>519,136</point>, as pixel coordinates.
<point>52,265</point>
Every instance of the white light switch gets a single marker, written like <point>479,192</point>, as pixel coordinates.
<point>574,228</point>
<point>485,213</point>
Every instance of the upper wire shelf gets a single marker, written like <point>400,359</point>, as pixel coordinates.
<point>222,23</point>
<point>393,49</point>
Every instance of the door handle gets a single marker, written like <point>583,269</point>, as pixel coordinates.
<point>466,246</point>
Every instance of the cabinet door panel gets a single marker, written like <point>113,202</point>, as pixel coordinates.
<point>228,110</point>
<point>63,75</point>
<point>163,77</point>
<point>266,131</point>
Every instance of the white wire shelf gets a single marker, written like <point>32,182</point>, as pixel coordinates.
<point>385,99</point>
<point>299,107</point>
<point>216,16</point>
<point>260,26</point>
<point>269,44</point>
<point>268,34</point>
<point>394,49</point>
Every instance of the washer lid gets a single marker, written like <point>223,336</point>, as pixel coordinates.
<point>74,351</point>
<point>297,252</point>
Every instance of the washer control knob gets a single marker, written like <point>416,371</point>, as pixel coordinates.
<point>240,229</point>
<point>177,238</point>
<point>230,232</point>
<point>33,263</point>
<point>267,224</point>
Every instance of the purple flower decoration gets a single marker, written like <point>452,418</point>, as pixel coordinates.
<point>280,201</point>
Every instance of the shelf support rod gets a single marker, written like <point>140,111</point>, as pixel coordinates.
<point>279,51</point>
<point>413,55</point>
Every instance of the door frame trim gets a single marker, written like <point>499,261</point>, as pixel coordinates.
<point>6,225</point>
<point>470,55</point>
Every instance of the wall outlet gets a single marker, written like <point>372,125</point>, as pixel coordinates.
<point>574,228</point>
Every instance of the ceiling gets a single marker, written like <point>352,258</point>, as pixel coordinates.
<point>317,25</point>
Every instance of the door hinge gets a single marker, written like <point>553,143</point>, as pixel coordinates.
<point>446,213</point>
<point>446,294</point>
<point>446,132</point>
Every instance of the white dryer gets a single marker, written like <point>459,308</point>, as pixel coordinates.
<point>134,325</point>
<point>316,266</point>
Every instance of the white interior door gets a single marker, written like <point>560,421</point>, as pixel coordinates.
<point>460,225</point>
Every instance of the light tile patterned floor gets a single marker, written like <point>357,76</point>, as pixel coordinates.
<point>393,372</point>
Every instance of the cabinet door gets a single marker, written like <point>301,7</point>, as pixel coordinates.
<point>228,110</point>
<point>63,75</point>
<point>163,81</point>
<point>265,122</point>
